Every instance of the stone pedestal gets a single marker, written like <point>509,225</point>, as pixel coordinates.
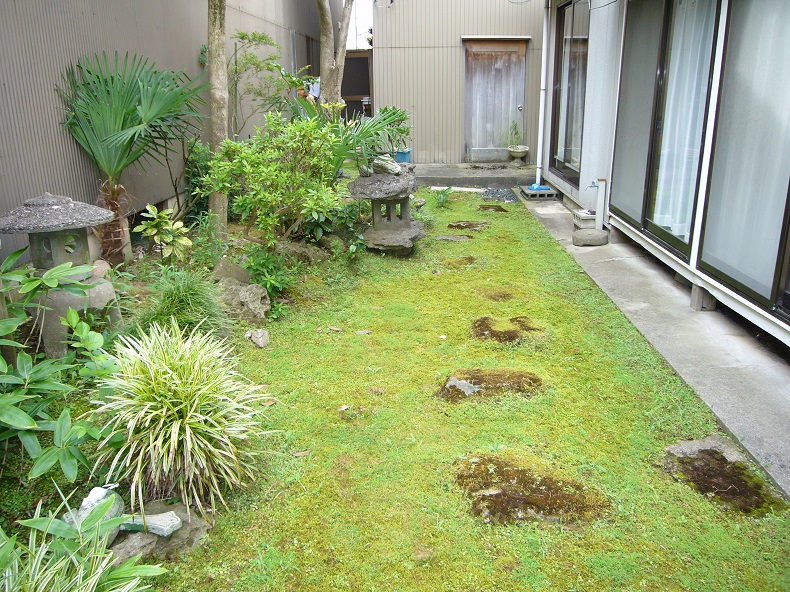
<point>393,229</point>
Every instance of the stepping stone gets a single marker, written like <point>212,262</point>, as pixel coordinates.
<point>492,208</point>
<point>480,383</point>
<point>467,225</point>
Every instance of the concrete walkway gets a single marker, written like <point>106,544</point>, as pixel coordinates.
<point>746,386</point>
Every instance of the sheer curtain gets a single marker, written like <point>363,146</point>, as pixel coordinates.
<point>751,157</point>
<point>686,86</point>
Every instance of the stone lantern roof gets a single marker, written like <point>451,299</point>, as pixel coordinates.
<point>52,213</point>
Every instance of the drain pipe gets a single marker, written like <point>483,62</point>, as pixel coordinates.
<point>544,59</point>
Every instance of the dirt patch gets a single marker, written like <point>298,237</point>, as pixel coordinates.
<point>492,208</point>
<point>484,383</point>
<point>467,225</point>
<point>511,331</point>
<point>503,492</point>
<point>498,295</point>
<point>460,262</point>
<point>731,484</point>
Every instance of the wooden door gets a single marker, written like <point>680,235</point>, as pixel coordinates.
<point>495,96</point>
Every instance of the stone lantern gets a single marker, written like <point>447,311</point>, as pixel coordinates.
<point>393,229</point>
<point>57,227</point>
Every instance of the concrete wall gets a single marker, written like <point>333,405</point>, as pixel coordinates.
<point>418,64</point>
<point>40,38</point>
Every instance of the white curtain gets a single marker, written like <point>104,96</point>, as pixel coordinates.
<point>690,48</point>
<point>751,158</point>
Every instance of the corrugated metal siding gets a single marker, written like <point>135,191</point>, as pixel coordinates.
<point>419,64</point>
<point>39,38</point>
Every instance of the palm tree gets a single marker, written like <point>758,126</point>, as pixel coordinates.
<point>122,113</point>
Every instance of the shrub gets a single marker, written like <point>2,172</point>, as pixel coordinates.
<point>187,416</point>
<point>269,270</point>
<point>189,296</point>
<point>168,236</point>
<point>208,244</point>
<point>279,178</point>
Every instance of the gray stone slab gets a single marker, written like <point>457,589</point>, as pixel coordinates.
<point>590,237</point>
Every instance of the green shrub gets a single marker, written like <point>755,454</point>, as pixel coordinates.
<point>186,414</point>
<point>279,178</point>
<point>207,243</point>
<point>269,270</point>
<point>167,236</point>
<point>189,296</point>
<point>60,557</point>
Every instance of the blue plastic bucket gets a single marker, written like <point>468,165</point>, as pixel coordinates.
<point>403,155</point>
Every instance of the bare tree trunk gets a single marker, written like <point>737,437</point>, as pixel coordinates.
<point>333,64</point>
<point>218,101</point>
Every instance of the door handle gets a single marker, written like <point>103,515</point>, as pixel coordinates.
<point>521,107</point>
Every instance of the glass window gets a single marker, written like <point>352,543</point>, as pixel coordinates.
<point>570,76</point>
<point>748,190</point>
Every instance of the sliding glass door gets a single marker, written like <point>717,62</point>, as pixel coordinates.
<point>680,120</point>
<point>570,75</point>
<point>746,218</point>
<point>661,119</point>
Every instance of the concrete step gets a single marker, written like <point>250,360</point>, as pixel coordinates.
<point>494,176</point>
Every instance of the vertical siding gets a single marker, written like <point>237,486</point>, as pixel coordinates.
<point>419,65</point>
<point>39,38</point>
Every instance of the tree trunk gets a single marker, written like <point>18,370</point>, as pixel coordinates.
<point>333,63</point>
<point>218,100</point>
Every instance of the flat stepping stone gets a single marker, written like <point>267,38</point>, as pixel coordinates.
<point>469,383</point>
<point>467,225</point>
<point>492,208</point>
<point>716,468</point>
<point>502,492</point>
<point>454,238</point>
<point>511,331</point>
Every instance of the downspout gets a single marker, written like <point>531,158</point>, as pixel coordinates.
<point>544,59</point>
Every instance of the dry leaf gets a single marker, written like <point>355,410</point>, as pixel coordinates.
<point>269,402</point>
<point>336,329</point>
<point>302,453</point>
<point>364,332</point>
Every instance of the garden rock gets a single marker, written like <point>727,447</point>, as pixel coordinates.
<point>590,237</point>
<point>418,203</point>
<point>482,383</point>
<point>259,337</point>
<point>246,302</point>
<point>333,243</point>
<point>96,496</point>
<point>193,530</point>
<point>162,525</point>
<point>227,269</point>
<point>101,268</point>
<point>386,165</point>
<point>301,252</point>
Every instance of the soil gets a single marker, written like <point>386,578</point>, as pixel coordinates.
<point>486,383</point>
<point>730,484</point>
<point>503,492</point>
<point>512,331</point>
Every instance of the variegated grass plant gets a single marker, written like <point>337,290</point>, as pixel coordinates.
<point>186,415</point>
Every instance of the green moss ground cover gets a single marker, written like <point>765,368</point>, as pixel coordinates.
<point>375,505</point>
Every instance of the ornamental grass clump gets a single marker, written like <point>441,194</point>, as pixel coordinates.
<point>186,415</point>
<point>189,296</point>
